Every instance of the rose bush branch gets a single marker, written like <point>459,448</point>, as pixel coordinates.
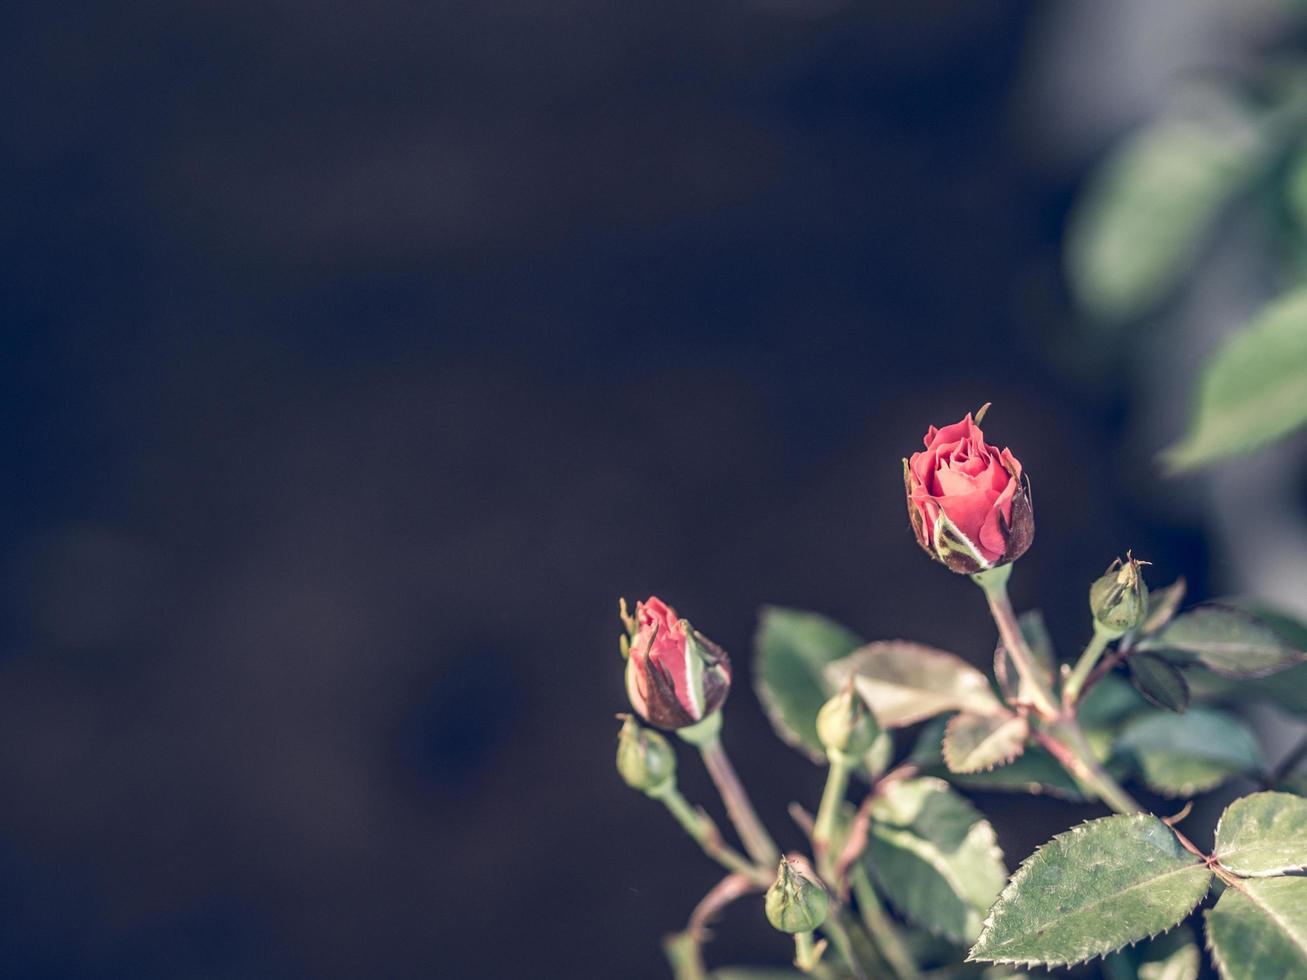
<point>969,504</point>
<point>706,737</point>
<point>916,859</point>
<point>648,764</point>
<point>676,678</point>
<point>1118,600</point>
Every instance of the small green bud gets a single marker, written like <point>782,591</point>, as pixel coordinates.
<point>845,725</point>
<point>644,758</point>
<point>1119,598</point>
<point>796,902</point>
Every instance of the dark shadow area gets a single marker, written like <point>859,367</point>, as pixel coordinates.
<point>358,357</point>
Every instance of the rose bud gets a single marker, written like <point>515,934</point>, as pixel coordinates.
<point>1119,598</point>
<point>675,676</point>
<point>644,758</point>
<point>968,501</point>
<point>796,901</point>
<point>845,725</point>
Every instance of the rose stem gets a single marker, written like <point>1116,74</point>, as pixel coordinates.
<point>804,951</point>
<point>684,952</point>
<point>839,937</point>
<point>832,798</point>
<point>880,927</point>
<point>994,584</point>
<point>706,736</point>
<point>823,833</point>
<point>1074,754</point>
<point>1085,665</point>
<point>722,894</point>
<point>1070,748</point>
<point>700,826</point>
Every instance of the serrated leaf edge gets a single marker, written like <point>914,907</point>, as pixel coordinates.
<point>1018,748</point>
<point>1207,932</point>
<point>1013,884</point>
<point>1216,837</point>
<point>1152,644</point>
<point>982,691</point>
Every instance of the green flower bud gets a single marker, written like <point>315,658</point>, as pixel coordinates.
<point>845,725</point>
<point>644,758</point>
<point>796,902</point>
<point>1119,599</point>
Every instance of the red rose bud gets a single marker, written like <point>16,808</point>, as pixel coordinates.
<point>675,676</point>
<point>968,501</point>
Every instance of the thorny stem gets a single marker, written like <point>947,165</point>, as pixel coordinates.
<point>884,933</point>
<point>1088,660</point>
<point>752,833</point>
<point>1064,741</point>
<point>700,826</point>
<point>994,584</point>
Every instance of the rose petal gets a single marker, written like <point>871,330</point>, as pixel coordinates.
<point>1012,464</point>
<point>969,511</point>
<point>990,541</point>
<point>951,433</point>
<point>954,482</point>
<point>921,465</point>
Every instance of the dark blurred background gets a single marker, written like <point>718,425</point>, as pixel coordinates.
<point>358,357</point>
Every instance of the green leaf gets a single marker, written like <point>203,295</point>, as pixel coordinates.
<point>1229,641</point>
<point>1109,703</point>
<point>906,682</point>
<point>1090,891</point>
<point>1163,604</point>
<point>978,743</point>
<point>1180,755</point>
<point>934,856</point>
<point>1253,390</point>
<point>1263,834</point>
<point>1040,642</point>
<point>756,973</point>
<point>1034,771</point>
<point>1159,681</point>
<point>1172,956</point>
<point>1287,689</point>
<point>791,651</point>
<point>1147,210</point>
<point>1258,930</point>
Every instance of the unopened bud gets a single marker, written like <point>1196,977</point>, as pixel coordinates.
<point>644,758</point>
<point>845,725</point>
<point>796,902</point>
<point>675,676</point>
<point>1119,598</point>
